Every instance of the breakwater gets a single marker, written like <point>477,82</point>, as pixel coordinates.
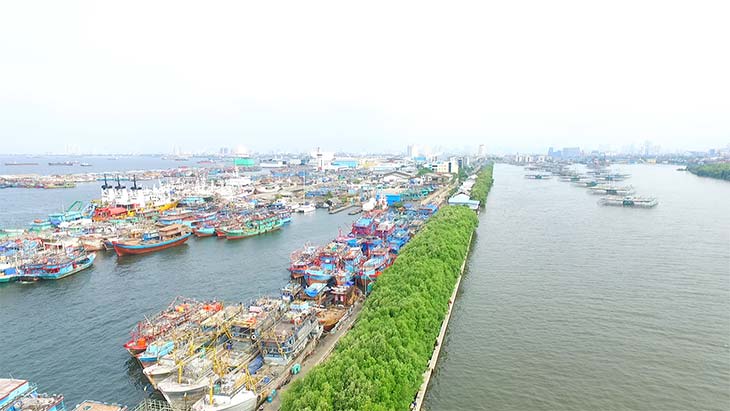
<point>379,364</point>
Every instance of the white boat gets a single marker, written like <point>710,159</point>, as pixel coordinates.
<point>181,391</point>
<point>628,201</point>
<point>306,208</point>
<point>232,396</point>
<point>164,368</point>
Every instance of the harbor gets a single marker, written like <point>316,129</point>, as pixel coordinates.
<point>93,244</point>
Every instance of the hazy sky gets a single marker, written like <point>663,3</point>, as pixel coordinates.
<point>515,75</point>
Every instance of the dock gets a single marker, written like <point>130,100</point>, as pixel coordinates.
<point>343,208</point>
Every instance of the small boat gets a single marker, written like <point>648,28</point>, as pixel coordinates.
<point>85,165</point>
<point>169,236</point>
<point>155,351</point>
<point>538,176</point>
<point>8,273</point>
<point>306,208</point>
<point>204,231</point>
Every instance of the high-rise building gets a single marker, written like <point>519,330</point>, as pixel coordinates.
<point>571,152</point>
<point>482,151</point>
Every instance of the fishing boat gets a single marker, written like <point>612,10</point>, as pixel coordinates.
<point>55,267</point>
<point>179,311</point>
<point>155,351</point>
<point>612,190</point>
<point>289,336</point>
<point>628,201</point>
<point>8,273</point>
<point>231,395</point>
<point>301,259</point>
<point>189,385</point>
<point>306,208</point>
<point>204,231</point>
<point>255,225</point>
<point>40,225</point>
<point>169,236</point>
<point>21,395</point>
<point>329,317</point>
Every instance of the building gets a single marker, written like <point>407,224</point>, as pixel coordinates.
<point>345,163</point>
<point>571,152</point>
<point>462,199</point>
<point>397,177</point>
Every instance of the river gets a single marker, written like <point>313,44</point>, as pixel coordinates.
<point>568,305</point>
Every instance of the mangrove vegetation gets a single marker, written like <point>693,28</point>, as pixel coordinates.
<point>720,171</point>
<point>379,364</point>
<point>484,182</point>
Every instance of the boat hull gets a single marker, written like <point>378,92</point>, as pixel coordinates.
<point>78,268</point>
<point>123,249</point>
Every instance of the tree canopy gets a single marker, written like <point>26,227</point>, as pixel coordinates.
<point>483,184</point>
<point>716,170</point>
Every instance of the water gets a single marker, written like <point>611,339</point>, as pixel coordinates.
<point>568,305</point>
<point>99,164</point>
<point>67,335</point>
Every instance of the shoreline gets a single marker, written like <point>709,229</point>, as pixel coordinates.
<point>421,394</point>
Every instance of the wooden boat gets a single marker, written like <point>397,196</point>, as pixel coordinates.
<point>204,231</point>
<point>166,237</point>
<point>330,317</point>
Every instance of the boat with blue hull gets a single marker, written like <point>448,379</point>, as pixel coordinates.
<point>21,395</point>
<point>56,267</point>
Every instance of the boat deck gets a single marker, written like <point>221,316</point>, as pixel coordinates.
<point>8,385</point>
<point>98,406</point>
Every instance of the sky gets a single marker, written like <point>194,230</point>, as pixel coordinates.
<point>147,76</point>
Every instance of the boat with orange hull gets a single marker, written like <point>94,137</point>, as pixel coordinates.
<point>166,237</point>
<point>330,317</point>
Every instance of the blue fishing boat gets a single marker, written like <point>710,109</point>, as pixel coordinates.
<point>21,395</point>
<point>40,225</point>
<point>154,351</point>
<point>56,267</point>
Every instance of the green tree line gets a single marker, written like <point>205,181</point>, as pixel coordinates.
<point>379,364</point>
<point>483,184</point>
<point>717,170</point>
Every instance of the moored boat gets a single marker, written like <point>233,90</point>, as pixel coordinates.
<point>166,237</point>
<point>55,267</point>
